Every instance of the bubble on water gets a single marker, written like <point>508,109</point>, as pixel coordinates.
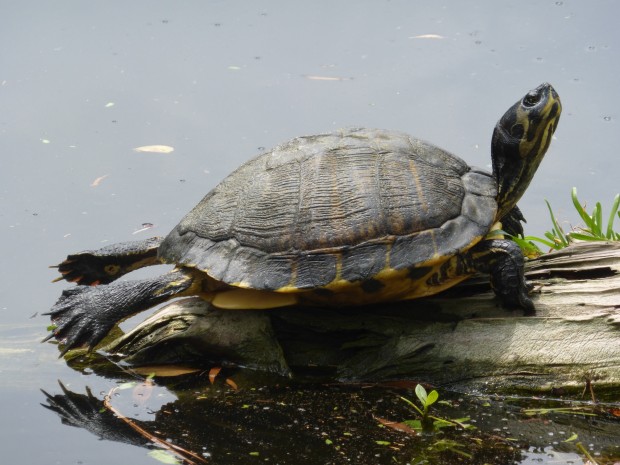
<point>559,3</point>
<point>591,48</point>
<point>606,118</point>
<point>540,59</point>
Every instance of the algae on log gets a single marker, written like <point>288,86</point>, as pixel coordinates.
<point>461,338</point>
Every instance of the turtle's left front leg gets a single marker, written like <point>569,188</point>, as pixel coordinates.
<point>85,314</point>
<point>504,261</point>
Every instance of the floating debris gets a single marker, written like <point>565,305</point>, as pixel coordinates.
<point>145,226</point>
<point>97,181</point>
<point>327,78</point>
<point>427,36</point>
<point>165,371</point>
<point>213,372</point>
<point>155,149</point>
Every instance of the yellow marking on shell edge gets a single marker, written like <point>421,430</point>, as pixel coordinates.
<point>425,290</point>
<point>397,285</point>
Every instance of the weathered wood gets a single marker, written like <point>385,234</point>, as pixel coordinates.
<point>460,338</point>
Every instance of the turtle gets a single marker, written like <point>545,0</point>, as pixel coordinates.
<point>347,218</point>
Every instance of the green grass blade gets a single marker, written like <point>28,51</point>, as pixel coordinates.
<point>550,244</point>
<point>529,249</point>
<point>587,219</point>
<point>612,216</point>
<point>597,217</point>
<point>583,237</point>
<point>559,232</point>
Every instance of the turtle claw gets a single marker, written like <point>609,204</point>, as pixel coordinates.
<point>84,268</point>
<point>102,266</point>
<point>78,320</point>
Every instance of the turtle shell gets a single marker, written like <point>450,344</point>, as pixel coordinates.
<point>338,207</point>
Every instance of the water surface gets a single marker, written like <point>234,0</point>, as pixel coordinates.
<point>84,83</point>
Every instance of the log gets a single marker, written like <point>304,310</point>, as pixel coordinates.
<point>461,338</point>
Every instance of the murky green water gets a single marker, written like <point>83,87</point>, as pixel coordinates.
<point>82,84</point>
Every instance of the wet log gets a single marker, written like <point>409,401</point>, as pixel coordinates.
<point>460,339</point>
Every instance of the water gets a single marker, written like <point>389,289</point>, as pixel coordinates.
<point>84,83</point>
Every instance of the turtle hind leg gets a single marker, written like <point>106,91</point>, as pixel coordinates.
<point>102,266</point>
<point>85,314</point>
<point>503,260</point>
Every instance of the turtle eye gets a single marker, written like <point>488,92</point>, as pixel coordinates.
<point>517,131</point>
<point>531,99</point>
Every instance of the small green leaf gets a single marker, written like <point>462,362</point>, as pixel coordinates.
<point>432,397</point>
<point>383,443</point>
<point>254,454</point>
<point>421,393</point>
<point>329,442</point>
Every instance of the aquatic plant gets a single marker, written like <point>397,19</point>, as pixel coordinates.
<point>594,228</point>
<point>427,422</point>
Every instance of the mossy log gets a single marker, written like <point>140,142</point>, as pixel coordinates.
<point>461,338</point>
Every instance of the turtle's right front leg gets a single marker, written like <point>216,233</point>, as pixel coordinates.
<point>84,315</point>
<point>102,266</point>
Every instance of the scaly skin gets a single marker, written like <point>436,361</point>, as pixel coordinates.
<point>85,314</point>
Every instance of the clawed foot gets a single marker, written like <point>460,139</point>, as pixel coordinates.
<point>102,266</point>
<point>87,268</point>
<point>518,299</point>
<point>79,319</point>
<point>84,315</point>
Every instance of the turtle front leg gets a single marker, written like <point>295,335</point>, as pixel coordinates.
<point>84,315</point>
<point>503,260</point>
<point>102,266</point>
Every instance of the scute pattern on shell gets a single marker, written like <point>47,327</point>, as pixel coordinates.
<point>365,198</point>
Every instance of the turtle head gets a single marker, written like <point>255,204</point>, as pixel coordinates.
<point>520,140</point>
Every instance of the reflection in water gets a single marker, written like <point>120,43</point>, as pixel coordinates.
<point>87,411</point>
<point>326,424</point>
